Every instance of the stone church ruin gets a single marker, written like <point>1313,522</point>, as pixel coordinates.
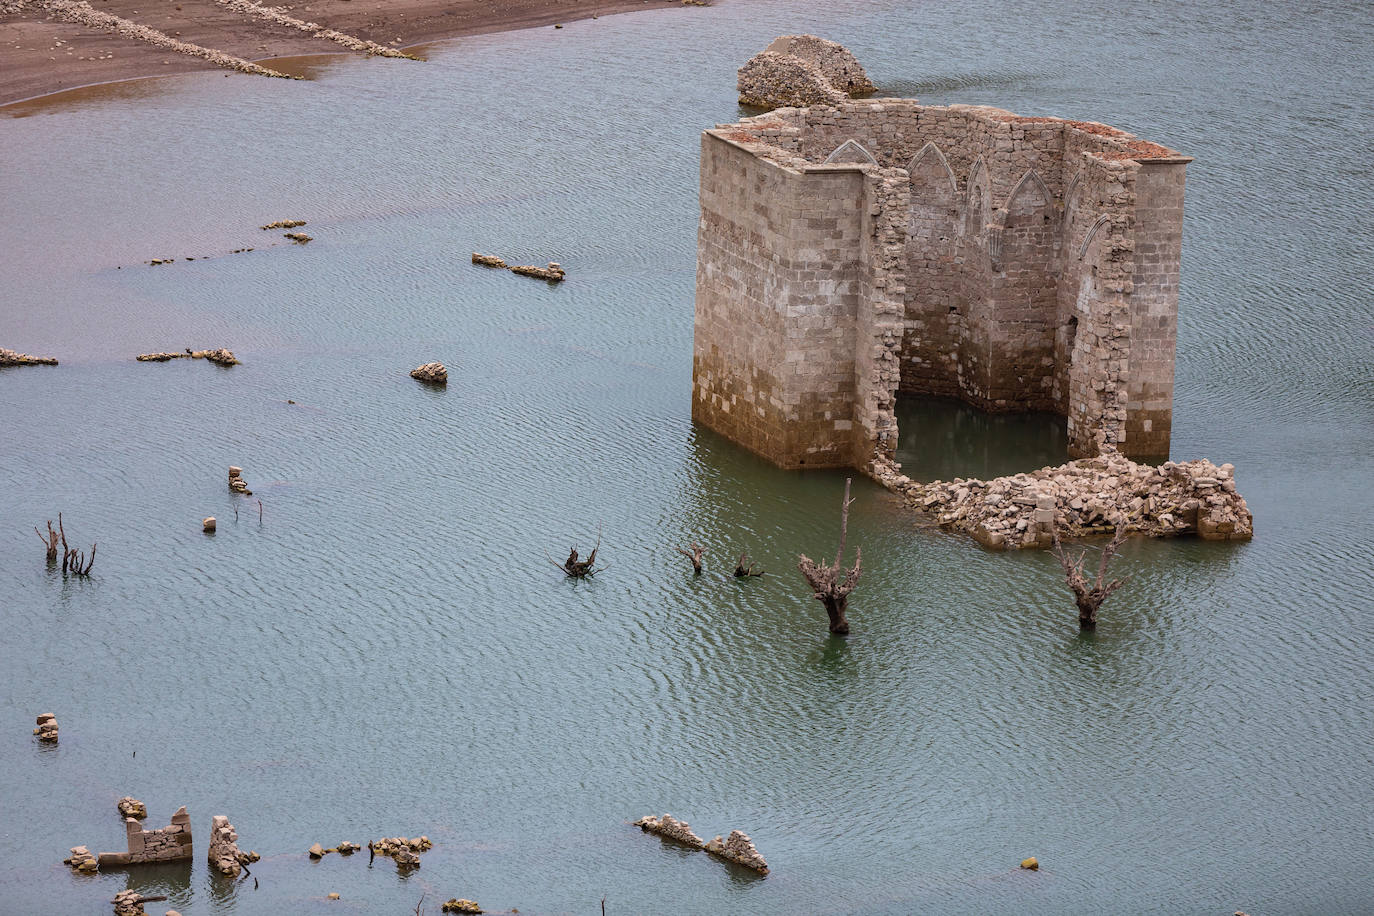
<point>859,248</point>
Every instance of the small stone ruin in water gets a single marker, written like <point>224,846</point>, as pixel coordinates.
<point>737,847</point>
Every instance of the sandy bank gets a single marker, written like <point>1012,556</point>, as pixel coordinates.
<point>41,54</point>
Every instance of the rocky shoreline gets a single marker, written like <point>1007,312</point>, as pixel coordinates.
<point>1089,496</point>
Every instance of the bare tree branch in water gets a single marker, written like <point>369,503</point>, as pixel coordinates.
<point>576,568</point>
<point>695,555</point>
<point>831,585</point>
<point>74,561</point>
<point>1089,596</point>
<point>49,542</point>
<point>745,567</point>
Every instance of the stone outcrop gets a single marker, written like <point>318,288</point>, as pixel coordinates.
<point>284,224</point>
<point>166,844</point>
<point>219,356</point>
<point>47,727</point>
<point>1085,497</point>
<point>131,807</point>
<point>461,905</point>
<point>672,828</point>
<point>317,851</point>
<point>224,855</point>
<point>738,848</point>
<point>405,852</point>
<point>433,373</point>
<point>82,860</point>
<point>800,71</point>
<point>236,482</point>
<point>300,238</point>
<point>554,273</point>
<point>12,358</point>
<point>489,260</point>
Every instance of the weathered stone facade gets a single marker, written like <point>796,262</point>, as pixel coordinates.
<point>167,844</point>
<point>849,252</point>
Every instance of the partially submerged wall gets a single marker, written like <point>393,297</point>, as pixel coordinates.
<point>849,252</point>
<point>167,844</point>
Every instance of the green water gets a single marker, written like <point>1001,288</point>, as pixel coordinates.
<point>388,650</point>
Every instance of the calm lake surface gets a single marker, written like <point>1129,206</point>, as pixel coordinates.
<point>388,651</point>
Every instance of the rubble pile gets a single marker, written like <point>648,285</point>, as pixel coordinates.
<point>672,828</point>
<point>82,859</point>
<point>800,71</point>
<point>131,807</point>
<point>461,905</point>
<point>236,484</point>
<point>1085,497</point>
<point>47,728</point>
<point>434,373</point>
<point>11,358</point>
<point>738,848</point>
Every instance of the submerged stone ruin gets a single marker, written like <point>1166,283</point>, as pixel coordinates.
<point>166,844</point>
<point>737,847</point>
<point>853,250</point>
<point>13,358</point>
<point>46,722</point>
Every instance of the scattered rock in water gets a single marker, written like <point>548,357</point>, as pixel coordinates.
<point>738,848</point>
<point>1032,863</point>
<point>285,224</point>
<point>219,356</point>
<point>1084,497</point>
<point>130,903</point>
<point>346,848</point>
<point>405,852</point>
<point>11,358</point>
<point>207,524</point>
<point>461,905</point>
<point>802,71</point>
<point>236,484</point>
<point>554,273</point>
<point>300,238</point>
<point>316,851</point>
<point>672,828</point>
<point>131,807</point>
<point>157,261</point>
<point>488,260</point>
<point>224,855</point>
<point>47,728</point>
<point>434,373</point>
<point>332,896</point>
<point>83,860</point>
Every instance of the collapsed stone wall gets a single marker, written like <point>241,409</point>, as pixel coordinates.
<point>166,844</point>
<point>1017,263</point>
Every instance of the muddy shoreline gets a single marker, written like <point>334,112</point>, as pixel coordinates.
<point>41,54</point>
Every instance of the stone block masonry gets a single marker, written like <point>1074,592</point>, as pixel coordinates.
<point>166,844</point>
<point>852,251</point>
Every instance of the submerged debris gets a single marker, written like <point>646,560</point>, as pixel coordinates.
<point>225,856</point>
<point>83,860</point>
<point>300,238</point>
<point>554,273</point>
<point>219,356</point>
<point>405,852</point>
<point>488,260</point>
<point>738,848</point>
<point>461,905</point>
<point>11,358</point>
<point>131,807</point>
<point>672,828</point>
<point>47,728</point>
<point>236,482</point>
<point>285,224</point>
<point>1085,497</point>
<point>434,373</point>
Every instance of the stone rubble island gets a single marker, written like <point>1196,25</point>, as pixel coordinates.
<point>219,356</point>
<point>131,807</point>
<point>47,727</point>
<point>1083,497</point>
<point>225,856</point>
<point>11,358</point>
<point>798,71</point>
<point>737,848</point>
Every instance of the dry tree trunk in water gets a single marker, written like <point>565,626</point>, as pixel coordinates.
<point>1089,596</point>
<point>695,555</point>
<point>49,542</point>
<point>832,584</point>
<point>74,561</point>
<point>575,568</point>
<point>745,567</point>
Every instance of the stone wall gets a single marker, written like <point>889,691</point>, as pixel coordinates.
<point>166,844</point>
<point>847,252</point>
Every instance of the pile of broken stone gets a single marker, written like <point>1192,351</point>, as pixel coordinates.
<point>1085,497</point>
<point>131,807</point>
<point>406,852</point>
<point>802,71</point>
<point>12,358</point>
<point>47,728</point>
<point>737,847</point>
<point>225,856</point>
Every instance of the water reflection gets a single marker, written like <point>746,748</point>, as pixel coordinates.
<point>943,438</point>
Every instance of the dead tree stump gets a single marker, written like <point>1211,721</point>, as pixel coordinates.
<point>1089,596</point>
<point>73,560</point>
<point>49,542</point>
<point>831,585</point>
<point>576,568</point>
<point>696,550</point>
<point>745,567</point>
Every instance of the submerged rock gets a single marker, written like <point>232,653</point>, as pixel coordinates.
<point>47,728</point>
<point>236,483</point>
<point>672,828</point>
<point>300,238</point>
<point>12,358</point>
<point>488,260</point>
<point>1032,863</point>
<point>131,807</point>
<point>434,373</point>
<point>82,859</point>
<point>285,224</point>
<point>405,852</point>
<point>738,848</point>
<point>554,273</point>
<point>802,71</point>
<point>1084,497</point>
<point>461,905</point>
